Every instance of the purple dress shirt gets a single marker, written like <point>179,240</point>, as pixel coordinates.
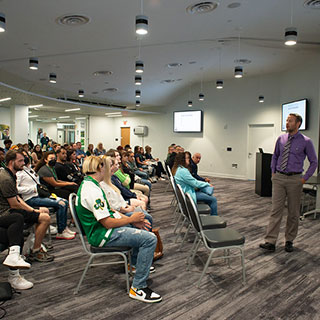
<point>301,146</point>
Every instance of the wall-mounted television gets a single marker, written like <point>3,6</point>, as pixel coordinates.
<point>300,107</point>
<point>187,121</point>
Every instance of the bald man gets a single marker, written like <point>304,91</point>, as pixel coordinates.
<point>194,167</point>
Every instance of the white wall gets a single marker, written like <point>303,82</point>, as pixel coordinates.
<point>49,128</point>
<point>101,129</point>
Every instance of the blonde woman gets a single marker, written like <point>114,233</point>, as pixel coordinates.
<point>114,196</point>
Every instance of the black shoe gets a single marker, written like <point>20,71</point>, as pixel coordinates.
<point>268,246</point>
<point>289,246</point>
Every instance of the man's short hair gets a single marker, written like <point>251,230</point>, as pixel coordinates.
<point>7,141</point>
<point>12,155</point>
<point>60,149</point>
<point>298,117</point>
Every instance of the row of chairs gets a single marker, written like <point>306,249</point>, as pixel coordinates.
<point>211,231</point>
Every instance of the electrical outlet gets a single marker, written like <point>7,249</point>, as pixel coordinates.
<point>234,165</point>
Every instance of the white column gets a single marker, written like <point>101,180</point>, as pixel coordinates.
<point>19,124</point>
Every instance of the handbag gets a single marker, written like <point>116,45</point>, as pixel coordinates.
<point>158,252</point>
<point>43,191</point>
<point>5,291</point>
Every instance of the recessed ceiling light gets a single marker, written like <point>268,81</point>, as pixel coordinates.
<point>5,99</point>
<point>234,5</point>
<point>202,7</point>
<point>81,118</point>
<point>73,20</point>
<point>103,73</point>
<point>53,118</point>
<point>64,117</point>
<point>36,106</point>
<point>69,110</point>
<point>34,116</point>
<point>112,113</point>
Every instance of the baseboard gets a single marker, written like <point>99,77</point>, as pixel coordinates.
<point>222,175</point>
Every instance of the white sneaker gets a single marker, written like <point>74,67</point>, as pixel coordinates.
<point>19,283</point>
<point>144,295</point>
<point>70,231</point>
<point>16,261</point>
<point>53,230</point>
<point>65,235</point>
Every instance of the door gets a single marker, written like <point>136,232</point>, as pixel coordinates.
<point>259,136</point>
<point>125,136</point>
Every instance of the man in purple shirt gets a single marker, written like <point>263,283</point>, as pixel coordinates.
<point>287,180</point>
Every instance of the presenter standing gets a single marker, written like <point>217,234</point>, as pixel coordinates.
<point>287,180</point>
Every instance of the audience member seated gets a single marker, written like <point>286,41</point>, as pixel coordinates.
<point>11,234</point>
<point>116,201</point>
<point>154,162</point>
<point>2,157</point>
<point>171,149</point>
<point>133,166</point>
<point>36,154</point>
<point>127,147</point>
<point>56,147</point>
<point>74,168</point>
<point>194,161</point>
<point>7,145</point>
<point>189,184</point>
<point>80,154</point>
<point>48,176</point>
<point>128,195</point>
<point>106,228</point>
<point>27,181</point>
<point>11,202</point>
<point>90,151</point>
<point>99,150</point>
<point>170,160</point>
<point>136,184</point>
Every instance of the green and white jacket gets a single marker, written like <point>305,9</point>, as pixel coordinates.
<point>92,206</point>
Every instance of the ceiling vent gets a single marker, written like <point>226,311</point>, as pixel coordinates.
<point>110,90</point>
<point>103,73</point>
<point>242,61</point>
<point>73,20</point>
<point>202,7</point>
<point>312,4</point>
<point>174,65</point>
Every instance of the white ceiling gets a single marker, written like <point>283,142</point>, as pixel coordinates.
<point>108,42</point>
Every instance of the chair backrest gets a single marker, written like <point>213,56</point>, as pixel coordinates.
<point>174,187</point>
<point>182,200</point>
<point>72,200</point>
<point>193,212</point>
<point>166,168</point>
<point>169,171</point>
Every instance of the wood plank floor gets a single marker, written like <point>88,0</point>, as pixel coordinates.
<point>279,286</point>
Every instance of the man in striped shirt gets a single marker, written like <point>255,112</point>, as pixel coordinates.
<point>287,180</point>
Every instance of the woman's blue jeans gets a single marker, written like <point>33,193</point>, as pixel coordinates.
<point>61,211</point>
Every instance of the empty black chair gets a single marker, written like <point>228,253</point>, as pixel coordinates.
<point>214,239</point>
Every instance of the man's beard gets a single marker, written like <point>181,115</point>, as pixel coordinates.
<point>16,168</point>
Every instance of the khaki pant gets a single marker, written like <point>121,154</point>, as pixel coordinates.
<point>283,187</point>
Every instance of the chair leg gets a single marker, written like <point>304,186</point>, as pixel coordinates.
<point>243,266</point>
<point>83,274</point>
<point>185,237</point>
<point>194,252</point>
<point>177,223</point>
<point>205,268</point>
<point>126,270</point>
<point>180,230</point>
<point>191,251</point>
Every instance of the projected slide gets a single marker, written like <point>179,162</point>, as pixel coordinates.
<point>299,107</point>
<point>187,121</point>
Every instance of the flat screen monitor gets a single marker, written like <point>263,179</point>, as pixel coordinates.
<point>187,121</point>
<point>300,107</point>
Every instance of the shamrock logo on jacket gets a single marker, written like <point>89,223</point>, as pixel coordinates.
<point>99,204</point>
